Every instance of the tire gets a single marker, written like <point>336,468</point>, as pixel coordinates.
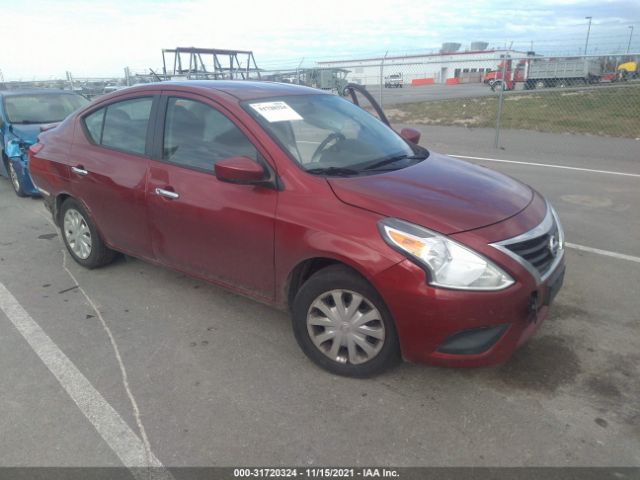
<point>321,342</point>
<point>81,237</point>
<point>15,179</point>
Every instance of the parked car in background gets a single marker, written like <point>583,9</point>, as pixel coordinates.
<point>112,88</point>
<point>379,248</point>
<point>393,81</point>
<point>22,115</point>
<point>628,70</point>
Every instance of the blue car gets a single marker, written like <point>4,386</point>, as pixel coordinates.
<point>22,113</point>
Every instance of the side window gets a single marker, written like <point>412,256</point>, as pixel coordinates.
<point>125,125</point>
<point>197,135</point>
<point>94,122</point>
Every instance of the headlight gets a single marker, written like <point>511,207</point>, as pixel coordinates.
<point>448,263</point>
<point>558,226</point>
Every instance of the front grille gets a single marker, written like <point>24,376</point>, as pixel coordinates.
<point>537,251</point>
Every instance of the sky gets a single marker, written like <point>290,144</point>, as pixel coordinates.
<point>45,38</point>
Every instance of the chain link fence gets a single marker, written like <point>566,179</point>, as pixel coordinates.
<point>496,94</point>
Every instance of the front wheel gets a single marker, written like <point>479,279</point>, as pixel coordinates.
<point>16,183</point>
<point>81,236</point>
<point>342,324</point>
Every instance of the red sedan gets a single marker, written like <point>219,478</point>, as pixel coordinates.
<point>381,249</point>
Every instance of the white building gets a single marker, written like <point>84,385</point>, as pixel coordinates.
<point>445,67</point>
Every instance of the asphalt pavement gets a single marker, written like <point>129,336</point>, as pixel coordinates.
<point>213,378</point>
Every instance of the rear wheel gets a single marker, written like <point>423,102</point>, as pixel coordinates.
<point>81,236</point>
<point>342,324</point>
<point>16,183</point>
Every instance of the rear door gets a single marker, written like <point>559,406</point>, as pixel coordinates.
<point>219,231</point>
<point>109,164</point>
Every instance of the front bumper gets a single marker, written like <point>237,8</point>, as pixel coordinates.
<point>431,320</point>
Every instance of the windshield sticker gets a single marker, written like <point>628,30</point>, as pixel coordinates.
<point>276,111</point>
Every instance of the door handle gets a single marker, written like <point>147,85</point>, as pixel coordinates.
<point>167,193</point>
<point>80,171</point>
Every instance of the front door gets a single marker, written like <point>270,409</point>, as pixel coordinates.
<point>219,231</point>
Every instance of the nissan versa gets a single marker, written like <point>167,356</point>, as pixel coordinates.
<point>381,249</point>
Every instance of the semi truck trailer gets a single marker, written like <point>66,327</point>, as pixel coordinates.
<point>541,72</point>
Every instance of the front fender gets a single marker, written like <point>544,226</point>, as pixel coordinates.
<point>12,148</point>
<point>20,164</point>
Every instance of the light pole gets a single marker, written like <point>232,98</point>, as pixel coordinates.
<point>630,35</point>
<point>586,44</point>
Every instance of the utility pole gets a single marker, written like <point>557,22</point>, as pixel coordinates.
<point>298,71</point>
<point>503,85</point>
<point>630,35</point>
<point>70,79</point>
<point>586,44</point>
<point>382,77</point>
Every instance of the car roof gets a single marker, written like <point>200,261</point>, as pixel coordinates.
<point>240,89</point>
<point>39,91</point>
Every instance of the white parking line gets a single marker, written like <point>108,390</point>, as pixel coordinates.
<point>565,167</point>
<point>109,424</point>
<point>606,253</point>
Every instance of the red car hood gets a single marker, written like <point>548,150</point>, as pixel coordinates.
<point>441,193</point>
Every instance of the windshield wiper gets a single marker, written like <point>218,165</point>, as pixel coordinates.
<point>393,159</point>
<point>337,171</point>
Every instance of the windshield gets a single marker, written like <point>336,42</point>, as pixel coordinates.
<point>41,107</point>
<point>326,134</point>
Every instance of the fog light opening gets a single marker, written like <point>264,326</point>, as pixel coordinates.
<point>474,341</point>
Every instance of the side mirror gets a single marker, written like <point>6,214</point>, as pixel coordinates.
<point>410,134</point>
<point>241,170</point>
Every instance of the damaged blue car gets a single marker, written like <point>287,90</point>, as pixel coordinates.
<point>22,113</point>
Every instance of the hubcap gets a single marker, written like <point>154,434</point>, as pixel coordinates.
<point>14,176</point>
<point>346,327</point>
<point>77,233</point>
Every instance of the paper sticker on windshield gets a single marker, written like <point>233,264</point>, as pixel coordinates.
<point>276,111</point>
